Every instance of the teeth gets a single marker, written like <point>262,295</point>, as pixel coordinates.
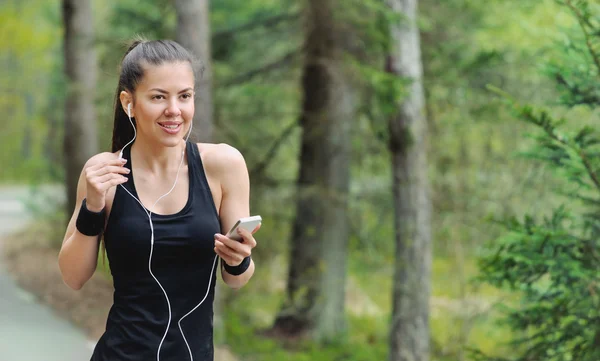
<point>170,126</point>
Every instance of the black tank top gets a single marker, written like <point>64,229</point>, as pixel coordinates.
<point>182,260</point>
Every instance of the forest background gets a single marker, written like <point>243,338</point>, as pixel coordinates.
<point>472,51</point>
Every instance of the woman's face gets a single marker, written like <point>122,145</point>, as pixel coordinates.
<point>164,102</point>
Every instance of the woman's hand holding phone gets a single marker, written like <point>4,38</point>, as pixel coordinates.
<point>238,243</point>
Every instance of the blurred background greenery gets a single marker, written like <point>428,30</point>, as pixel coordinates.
<point>475,145</point>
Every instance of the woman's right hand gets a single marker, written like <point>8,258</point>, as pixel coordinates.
<point>100,178</point>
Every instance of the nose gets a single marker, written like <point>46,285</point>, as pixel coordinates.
<point>172,109</point>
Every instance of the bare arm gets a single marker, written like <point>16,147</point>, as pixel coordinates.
<point>78,255</point>
<point>235,186</point>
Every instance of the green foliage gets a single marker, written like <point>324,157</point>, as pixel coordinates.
<point>28,33</point>
<point>155,20</point>
<point>552,261</point>
<point>576,62</point>
<point>471,139</point>
<point>247,341</point>
<point>249,313</point>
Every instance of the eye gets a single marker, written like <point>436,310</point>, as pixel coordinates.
<point>186,95</point>
<point>156,97</point>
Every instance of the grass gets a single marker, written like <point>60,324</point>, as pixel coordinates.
<point>369,344</point>
<point>462,315</point>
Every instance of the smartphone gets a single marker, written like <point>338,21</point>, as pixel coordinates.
<point>248,223</point>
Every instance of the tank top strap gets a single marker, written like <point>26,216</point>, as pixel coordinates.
<point>196,166</point>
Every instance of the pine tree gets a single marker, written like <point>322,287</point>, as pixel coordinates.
<point>553,262</point>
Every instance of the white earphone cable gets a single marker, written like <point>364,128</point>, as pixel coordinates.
<point>149,213</point>
<point>134,133</point>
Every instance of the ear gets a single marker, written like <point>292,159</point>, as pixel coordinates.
<point>126,99</point>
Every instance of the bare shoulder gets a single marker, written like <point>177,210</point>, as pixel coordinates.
<point>220,157</point>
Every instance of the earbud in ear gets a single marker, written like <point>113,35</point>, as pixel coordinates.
<point>129,109</point>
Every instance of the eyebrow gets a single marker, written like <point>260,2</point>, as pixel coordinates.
<point>166,92</point>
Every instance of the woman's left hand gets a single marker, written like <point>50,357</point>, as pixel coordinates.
<point>233,252</point>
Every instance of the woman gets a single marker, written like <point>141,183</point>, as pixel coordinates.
<point>161,204</point>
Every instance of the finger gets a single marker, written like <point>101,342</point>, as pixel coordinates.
<point>235,250</point>
<point>107,178</point>
<point>113,162</point>
<point>229,242</point>
<point>227,259</point>
<point>247,237</point>
<point>102,179</point>
<point>108,181</point>
<point>109,170</point>
<point>225,251</point>
<point>116,181</point>
<point>95,171</point>
<point>240,247</point>
<point>223,248</point>
<point>113,169</point>
<point>257,228</point>
<point>232,258</point>
<point>223,256</point>
<point>237,256</point>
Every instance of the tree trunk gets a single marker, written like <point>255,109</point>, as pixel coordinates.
<point>410,308</point>
<point>193,32</point>
<point>317,272</point>
<point>80,137</point>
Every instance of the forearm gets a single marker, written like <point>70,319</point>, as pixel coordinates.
<point>236,282</point>
<point>78,259</point>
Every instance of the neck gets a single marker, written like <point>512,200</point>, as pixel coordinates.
<point>156,158</point>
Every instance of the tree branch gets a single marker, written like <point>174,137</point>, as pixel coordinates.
<point>282,62</point>
<point>582,23</point>
<point>549,126</point>
<point>582,156</point>
<point>587,98</point>
<point>266,22</point>
<point>590,170</point>
<point>262,165</point>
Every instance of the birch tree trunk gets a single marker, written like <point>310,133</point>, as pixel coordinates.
<point>412,204</point>
<point>193,32</point>
<point>80,136</point>
<point>319,244</point>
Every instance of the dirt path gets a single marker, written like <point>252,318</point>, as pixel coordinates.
<point>28,329</point>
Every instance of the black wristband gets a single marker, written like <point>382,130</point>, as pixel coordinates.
<point>90,223</point>
<point>239,269</point>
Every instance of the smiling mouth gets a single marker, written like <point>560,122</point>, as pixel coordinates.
<point>170,126</point>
